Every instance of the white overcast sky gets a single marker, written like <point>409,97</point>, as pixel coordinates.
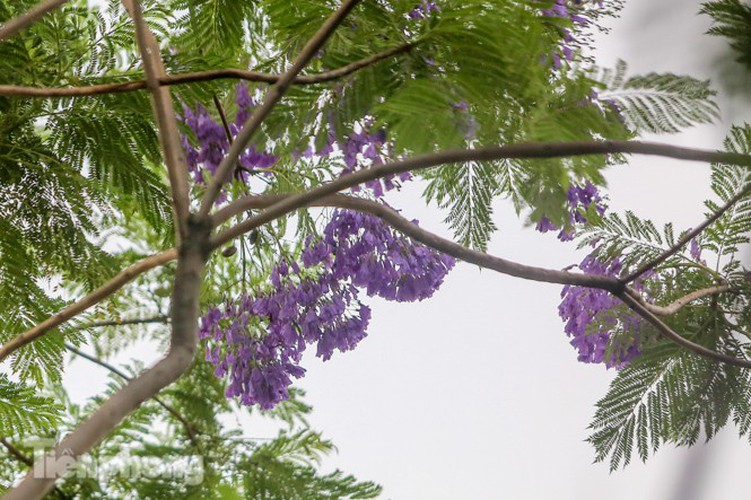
<point>476,392</point>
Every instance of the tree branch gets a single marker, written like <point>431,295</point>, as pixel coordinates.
<point>202,76</point>
<point>513,151</point>
<point>612,285</point>
<point>18,454</point>
<point>687,238</point>
<point>272,98</point>
<point>98,295</point>
<point>294,202</point>
<point>193,254</point>
<point>401,224</point>
<point>676,305</point>
<point>12,27</point>
<point>165,116</point>
<point>189,429</point>
<point>124,322</point>
<point>28,461</point>
<point>667,332</point>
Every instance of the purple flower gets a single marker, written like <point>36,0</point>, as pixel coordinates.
<point>580,199</point>
<point>258,341</point>
<point>589,318</point>
<point>423,10</point>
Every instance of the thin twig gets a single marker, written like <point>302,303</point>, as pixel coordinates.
<point>274,95</point>
<point>18,454</point>
<point>15,25</point>
<point>687,237</point>
<point>165,116</point>
<point>676,305</point>
<point>125,322</point>
<point>514,151</point>
<point>121,279</point>
<point>201,76</point>
<point>223,117</point>
<point>189,429</point>
<point>667,332</point>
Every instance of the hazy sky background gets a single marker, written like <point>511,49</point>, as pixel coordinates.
<point>476,392</point>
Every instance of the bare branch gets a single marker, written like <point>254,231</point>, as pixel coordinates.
<point>164,113</point>
<point>202,76</point>
<point>98,295</point>
<point>125,322</point>
<point>272,98</point>
<point>676,305</point>
<point>13,26</point>
<point>688,237</point>
<point>223,117</point>
<point>189,429</point>
<point>18,454</point>
<point>513,151</point>
<point>432,240</point>
<point>667,332</point>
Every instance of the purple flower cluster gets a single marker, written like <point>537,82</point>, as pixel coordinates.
<point>588,322</point>
<point>362,148</point>
<point>423,10</point>
<point>580,199</point>
<point>213,142</point>
<point>316,303</point>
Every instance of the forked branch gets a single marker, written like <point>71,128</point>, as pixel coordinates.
<point>687,237</point>
<point>164,113</point>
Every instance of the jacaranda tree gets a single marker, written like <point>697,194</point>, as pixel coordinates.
<point>212,176</point>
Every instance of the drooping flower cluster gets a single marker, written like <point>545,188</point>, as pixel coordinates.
<point>589,322</point>
<point>580,199</point>
<point>259,340</point>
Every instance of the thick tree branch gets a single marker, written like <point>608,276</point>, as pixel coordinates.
<point>667,332</point>
<point>189,429</point>
<point>676,305</point>
<point>272,98</point>
<point>193,254</point>
<point>202,76</point>
<point>166,120</point>
<point>98,295</point>
<point>687,237</point>
<point>12,27</point>
<point>514,151</point>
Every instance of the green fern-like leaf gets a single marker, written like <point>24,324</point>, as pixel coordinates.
<point>732,19</point>
<point>658,103</point>
<point>22,411</point>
